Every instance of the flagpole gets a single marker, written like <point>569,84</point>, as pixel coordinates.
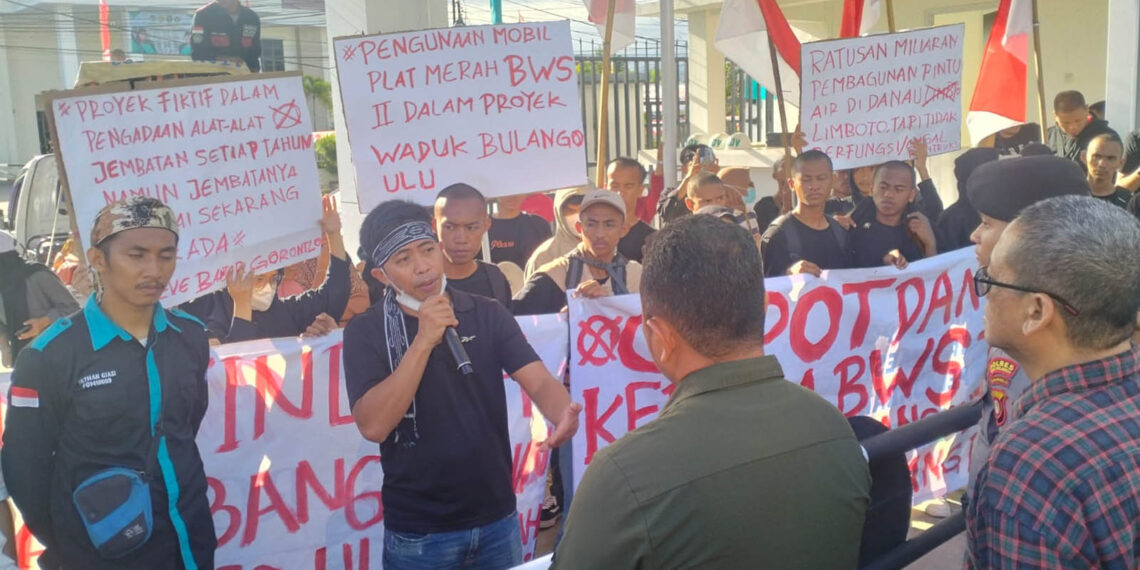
<point>783,110</point>
<point>891,16</point>
<point>603,113</point>
<point>668,102</point>
<point>1040,70</point>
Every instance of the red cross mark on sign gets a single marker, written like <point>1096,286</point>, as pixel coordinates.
<point>286,116</point>
<point>595,331</point>
<point>948,93</point>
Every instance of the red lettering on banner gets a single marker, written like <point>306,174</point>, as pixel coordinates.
<point>849,385</point>
<point>907,318</point>
<point>629,357</point>
<point>229,415</point>
<point>953,461</point>
<point>233,514</point>
<point>967,290</point>
<point>902,418</point>
<point>806,350</point>
<point>780,302</point>
<point>529,523</point>
<point>808,381</point>
<point>633,413</point>
<point>941,296</point>
<point>525,463</point>
<point>900,378</point>
<point>598,328</point>
<point>26,551</point>
<point>335,417</point>
<point>350,509</point>
<point>595,424</point>
<point>527,412</point>
<point>262,480</point>
<point>953,367</point>
<point>307,479</point>
<point>862,292</point>
<point>521,71</point>
<point>268,385</point>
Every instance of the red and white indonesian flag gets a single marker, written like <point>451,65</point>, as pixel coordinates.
<point>742,36</point>
<point>625,12</point>
<point>859,16</point>
<point>24,398</point>
<point>999,96</point>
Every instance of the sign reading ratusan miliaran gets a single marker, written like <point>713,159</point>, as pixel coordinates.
<point>865,100</point>
<point>232,157</point>
<point>495,107</point>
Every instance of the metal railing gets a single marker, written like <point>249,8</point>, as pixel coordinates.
<point>635,96</point>
<point>903,439</point>
<point>749,107</point>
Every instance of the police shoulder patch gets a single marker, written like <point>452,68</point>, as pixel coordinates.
<point>50,333</point>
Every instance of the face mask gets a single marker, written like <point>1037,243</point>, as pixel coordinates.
<point>409,301</point>
<point>263,297</point>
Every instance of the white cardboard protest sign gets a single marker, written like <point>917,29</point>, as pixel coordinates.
<point>864,100</point>
<point>233,158</point>
<point>292,484</point>
<point>893,345</point>
<point>495,107</point>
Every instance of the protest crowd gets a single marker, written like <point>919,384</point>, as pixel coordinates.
<point>744,466</point>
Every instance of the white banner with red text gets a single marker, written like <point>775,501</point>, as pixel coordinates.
<point>292,484</point>
<point>893,345</point>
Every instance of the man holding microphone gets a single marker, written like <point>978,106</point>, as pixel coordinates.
<point>445,450</point>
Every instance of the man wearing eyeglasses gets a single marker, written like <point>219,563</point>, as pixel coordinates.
<point>1000,190</point>
<point>1060,488</point>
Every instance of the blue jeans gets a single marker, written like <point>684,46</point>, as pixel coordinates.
<point>490,547</point>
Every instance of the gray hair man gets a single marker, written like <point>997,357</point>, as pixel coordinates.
<point>1060,487</point>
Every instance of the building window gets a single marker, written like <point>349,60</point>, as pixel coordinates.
<point>272,55</point>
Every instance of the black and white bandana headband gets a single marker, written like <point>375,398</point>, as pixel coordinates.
<point>398,238</point>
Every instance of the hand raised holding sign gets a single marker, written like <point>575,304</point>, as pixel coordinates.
<point>331,226</point>
<point>239,284</point>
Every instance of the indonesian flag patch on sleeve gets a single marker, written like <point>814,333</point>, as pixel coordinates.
<point>24,398</point>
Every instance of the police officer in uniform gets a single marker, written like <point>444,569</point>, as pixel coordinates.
<point>226,30</point>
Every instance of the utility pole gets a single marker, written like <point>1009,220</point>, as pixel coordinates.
<point>496,11</point>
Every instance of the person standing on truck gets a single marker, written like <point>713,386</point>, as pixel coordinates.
<point>226,30</point>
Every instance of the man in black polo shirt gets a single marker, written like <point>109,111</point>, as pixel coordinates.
<point>461,220</point>
<point>226,30</point>
<point>1070,137</point>
<point>898,233</point>
<point>1103,161</point>
<point>444,446</point>
<point>118,385</point>
<point>806,240</point>
<point>626,176</point>
<point>515,234</point>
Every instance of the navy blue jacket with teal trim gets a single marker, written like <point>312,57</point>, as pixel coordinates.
<point>80,403</point>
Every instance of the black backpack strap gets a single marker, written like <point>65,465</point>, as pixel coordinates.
<point>839,233</point>
<point>499,286</point>
<point>792,238</point>
<point>573,273</point>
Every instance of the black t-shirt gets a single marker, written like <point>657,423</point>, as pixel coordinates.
<point>632,246</point>
<point>955,225</point>
<point>487,281</point>
<point>1029,133</point>
<point>1072,147</point>
<point>516,239</point>
<point>1120,197</point>
<point>458,474</point>
<point>870,241</point>
<point>821,247</point>
<point>1131,152</point>
<point>766,211</point>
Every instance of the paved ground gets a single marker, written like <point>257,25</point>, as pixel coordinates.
<point>945,557</point>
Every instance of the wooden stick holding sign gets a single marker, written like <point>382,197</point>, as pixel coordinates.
<point>1040,69</point>
<point>603,115</point>
<point>891,16</point>
<point>784,140</point>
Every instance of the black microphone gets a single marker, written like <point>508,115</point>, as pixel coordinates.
<point>458,352</point>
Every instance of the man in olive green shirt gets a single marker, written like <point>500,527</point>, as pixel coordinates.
<point>742,469</point>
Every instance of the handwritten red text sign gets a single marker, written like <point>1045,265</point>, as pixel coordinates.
<point>865,100</point>
<point>893,345</point>
<point>231,159</point>
<point>492,106</point>
<point>292,485</point>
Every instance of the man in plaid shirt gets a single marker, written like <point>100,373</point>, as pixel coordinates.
<point>1061,488</point>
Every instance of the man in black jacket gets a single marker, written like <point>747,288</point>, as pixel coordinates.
<point>1075,128</point>
<point>120,384</point>
<point>226,30</point>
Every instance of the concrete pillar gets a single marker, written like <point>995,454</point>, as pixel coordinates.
<point>9,145</point>
<point>68,46</point>
<point>706,74</point>
<point>1123,73</point>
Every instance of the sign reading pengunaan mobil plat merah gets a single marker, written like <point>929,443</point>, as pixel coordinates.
<point>495,107</point>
